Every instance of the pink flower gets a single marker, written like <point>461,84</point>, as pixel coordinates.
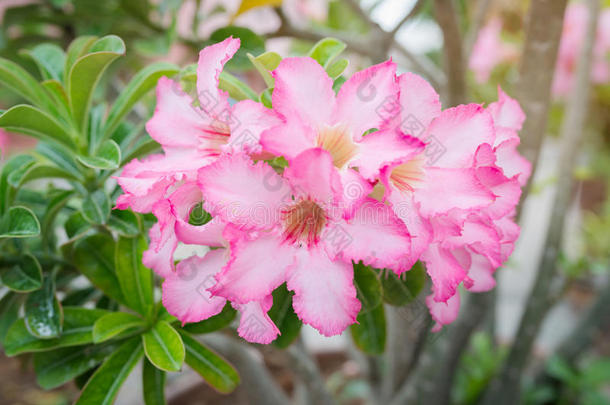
<point>490,51</point>
<point>292,229</point>
<point>191,136</point>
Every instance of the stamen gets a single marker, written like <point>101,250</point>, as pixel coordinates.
<point>338,142</point>
<point>303,222</point>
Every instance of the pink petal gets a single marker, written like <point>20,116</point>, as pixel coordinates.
<point>163,242</point>
<point>255,325</point>
<point>480,238</point>
<point>313,175</point>
<point>506,112</point>
<point>419,104</point>
<point>211,62</point>
<point>185,291</point>
<point>248,120</point>
<point>355,190</point>
<point>360,98</point>
<point>241,192</point>
<point>443,313</point>
<point>382,148</point>
<point>303,91</point>
<point>444,270</point>
<point>453,138</point>
<point>288,139</point>
<point>507,191</point>
<point>465,189</point>
<point>511,162</point>
<point>379,238</point>
<point>481,274</point>
<point>255,269</point>
<point>325,296</point>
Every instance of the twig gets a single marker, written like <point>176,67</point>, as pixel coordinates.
<point>308,372</point>
<point>505,389</point>
<point>446,17</point>
<point>256,380</point>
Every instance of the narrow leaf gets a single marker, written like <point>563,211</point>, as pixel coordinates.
<point>31,121</point>
<point>49,59</point>
<point>325,50</point>
<point>96,207</point>
<point>112,324</point>
<point>135,279</point>
<point>237,89</point>
<point>107,157</point>
<point>163,347</point>
<point>153,384</point>
<point>24,276</point>
<point>19,81</point>
<point>284,317</point>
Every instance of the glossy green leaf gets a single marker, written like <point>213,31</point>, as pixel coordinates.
<point>265,98</point>
<point>214,323</point>
<point>60,99</point>
<point>213,368</point>
<point>87,71</point>
<point>96,207</point>
<point>59,157</point>
<point>135,279</point>
<point>325,50</point>
<point>265,63</point>
<point>9,312</point>
<point>112,324</point>
<point>401,290</point>
<point>76,225</point>
<point>369,333</point>
<point>237,89</point>
<point>153,384</point>
<point>93,256</point>
<point>43,313</point>
<point>104,384</point>
<point>163,347</point>
<point>36,123</point>
<point>125,223</point>
<point>57,367</point>
<point>284,317</point>
<point>367,286</point>
<point>19,81</point>
<point>24,276</point>
<point>39,171</point>
<point>50,60</point>
<point>20,223</point>
<point>14,177</point>
<point>11,166</point>
<point>77,48</point>
<point>107,157</point>
<point>77,330</point>
<point>140,84</point>
<point>335,69</point>
<point>143,149</point>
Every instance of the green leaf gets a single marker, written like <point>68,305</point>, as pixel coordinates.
<point>163,347</point>
<point>367,286</point>
<point>325,50</point>
<point>265,97</point>
<point>9,312</point>
<point>76,331</point>
<point>19,81</point>
<point>77,48</point>
<point>125,223</point>
<point>94,258</point>
<point>136,280</point>
<point>369,334</point>
<point>96,207</point>
<point>20,223</point>
<point>57,367</point>
<point>284,317</point>
<point>153,384</point>
<point>213,368</point>
<point>107,157</point>
<point>250,43</point>
<point>50,60</point>
<point>110,325</point>
<point>38,171</point>
<point>103,386</point>
<point>264,64</point>
<point>237,89</point>
<point>558,368</point>
<point>60,157</point>
<point>87,71</point>
<point>336,68</point>
<point>596,373</point>
<point>7,192</point>
<point>401,290</point>
<point>60,98</point>
<point>43,313</point>
<point>36,123</point>
<point>214,323</point>
<point>139,85</point>
<point>76,225</point>
<point>24,276</point>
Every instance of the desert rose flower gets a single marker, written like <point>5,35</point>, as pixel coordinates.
<point>285,229</point>
<point>192,137</point>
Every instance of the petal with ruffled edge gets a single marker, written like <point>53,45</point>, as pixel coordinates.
<point>185,292</point>
<point>257,266</point>
<point>313,175</point>
<point>506,112</point>
<point>481,274</point>
<point>211,62</point>
<point>288,139</point>
<point>480,238</point>
<point>453,137</point>
<point>248,120</point>
<point>325,296</point>
<point>507,191</point>
<point>378,237</point>
<point>465,189</point>
<point>243,193</point>
<point>443,313</point>
<point>355,190</point>
<point>419,104</point>
<point>363,95</point>
<point>303,91</point>
<point>382,148</point>
<point>444,270</point>
<point>163,242</point>
<point>511,162</point>
<point>255,325</point>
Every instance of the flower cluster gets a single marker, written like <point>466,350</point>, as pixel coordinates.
<point>296,194</point>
